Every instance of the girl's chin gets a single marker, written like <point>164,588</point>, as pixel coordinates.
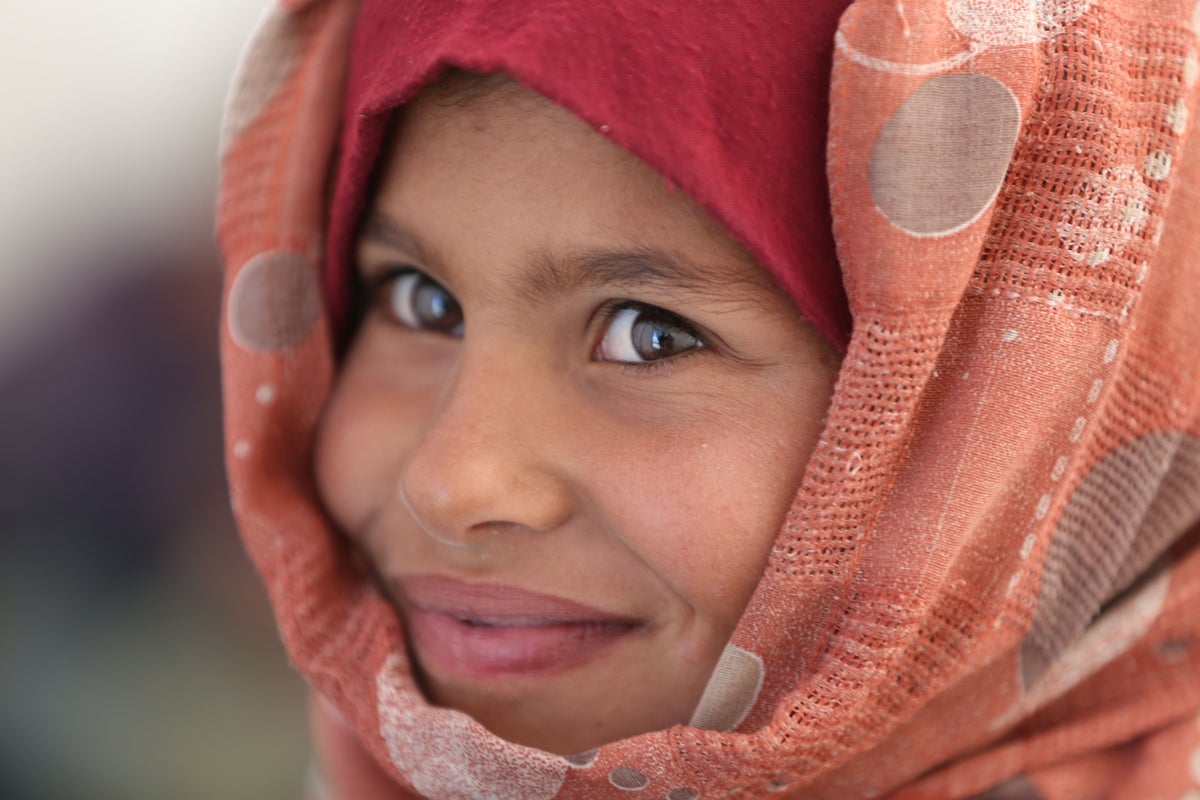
<point>571,711</point>
<point>565,728</point>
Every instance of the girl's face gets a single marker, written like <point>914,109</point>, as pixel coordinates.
<point>569,426</point>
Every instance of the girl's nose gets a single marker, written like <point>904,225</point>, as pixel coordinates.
<point>487,462</point>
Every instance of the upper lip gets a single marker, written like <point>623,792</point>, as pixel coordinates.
<point>498,604</point>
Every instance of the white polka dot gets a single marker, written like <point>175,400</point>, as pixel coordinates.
<point>1194,765</point>
<point>1134,215</point>
<point>1027,546</point>
<point>1056,297</point>
<point>1110,351</point>
<point>1157,165</point>
<point>1105,215</point>
<point>1008,23</point>
<point>1177,116</point>
<point>1077,429</point>
<point>966,375</point>
<point>1094,392</point>
<point>1191,70</point>
<point>241,448</point>
<point>265,394</point>
<point>1009,335</point>
<point>1043,506</point>
<point>1060,468</point>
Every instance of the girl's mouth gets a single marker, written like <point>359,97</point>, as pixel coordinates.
<point>494,631</point>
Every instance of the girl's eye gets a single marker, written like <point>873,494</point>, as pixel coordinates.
<point>417,301</point>
<point>639,334</point>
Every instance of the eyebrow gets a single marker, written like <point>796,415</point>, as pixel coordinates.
<point>551,275</point>
<point>386,231</point>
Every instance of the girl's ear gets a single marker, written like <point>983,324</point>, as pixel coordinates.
<point>344,769</point>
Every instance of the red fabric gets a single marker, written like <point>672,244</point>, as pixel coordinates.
<point>738,123</point>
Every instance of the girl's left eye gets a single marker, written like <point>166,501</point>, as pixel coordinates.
<point>416,301</point>
<point>641,334</point>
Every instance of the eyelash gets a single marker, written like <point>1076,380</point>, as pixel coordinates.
<point>378,298</point>
<point>612,308</point>
<point>374,298</point>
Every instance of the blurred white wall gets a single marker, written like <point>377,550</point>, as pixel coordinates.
<point>108,132</point>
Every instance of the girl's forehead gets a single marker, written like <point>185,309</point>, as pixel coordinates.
<point>507,166</point>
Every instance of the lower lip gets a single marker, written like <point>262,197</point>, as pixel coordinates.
<point>454,645</point>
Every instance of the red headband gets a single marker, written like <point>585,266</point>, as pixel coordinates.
<point>732,107</point>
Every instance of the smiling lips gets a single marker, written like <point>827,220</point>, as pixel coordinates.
<point>492,631</point>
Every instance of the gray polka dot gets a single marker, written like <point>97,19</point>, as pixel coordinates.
<point>1120,518</point>
<point>274,302</point>
<point>628,778</point>
<point>683,793</point>
<point>584,759</point>
<point>271,57</point>
<point>731,692</point>
<point>1173,650</point>
<point>941,158</point>
<point>1020,788</point>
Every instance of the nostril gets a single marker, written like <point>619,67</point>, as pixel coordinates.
<point>499,528</point>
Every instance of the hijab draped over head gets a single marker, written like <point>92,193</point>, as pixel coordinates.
<point>987,583</point>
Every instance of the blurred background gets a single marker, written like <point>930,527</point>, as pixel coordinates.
<point>137,654</point>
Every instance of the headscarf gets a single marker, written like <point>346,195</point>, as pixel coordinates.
<point>988,582</point>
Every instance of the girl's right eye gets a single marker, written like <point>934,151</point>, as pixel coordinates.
<point>416,301</point>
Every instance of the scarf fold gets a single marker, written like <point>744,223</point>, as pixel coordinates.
<point>987,584</point>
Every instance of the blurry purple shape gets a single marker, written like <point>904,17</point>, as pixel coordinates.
<point>111,423</point>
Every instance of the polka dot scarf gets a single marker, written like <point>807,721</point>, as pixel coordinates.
<point>988,583</point>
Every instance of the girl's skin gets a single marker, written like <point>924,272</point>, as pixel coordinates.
<point>570,424</point>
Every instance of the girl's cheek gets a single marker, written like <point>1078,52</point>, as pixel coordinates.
<point>345,462</point>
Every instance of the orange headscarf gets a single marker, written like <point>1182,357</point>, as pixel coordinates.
<point>989,580</point>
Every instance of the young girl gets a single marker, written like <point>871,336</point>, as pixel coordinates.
<point>533,425</point>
